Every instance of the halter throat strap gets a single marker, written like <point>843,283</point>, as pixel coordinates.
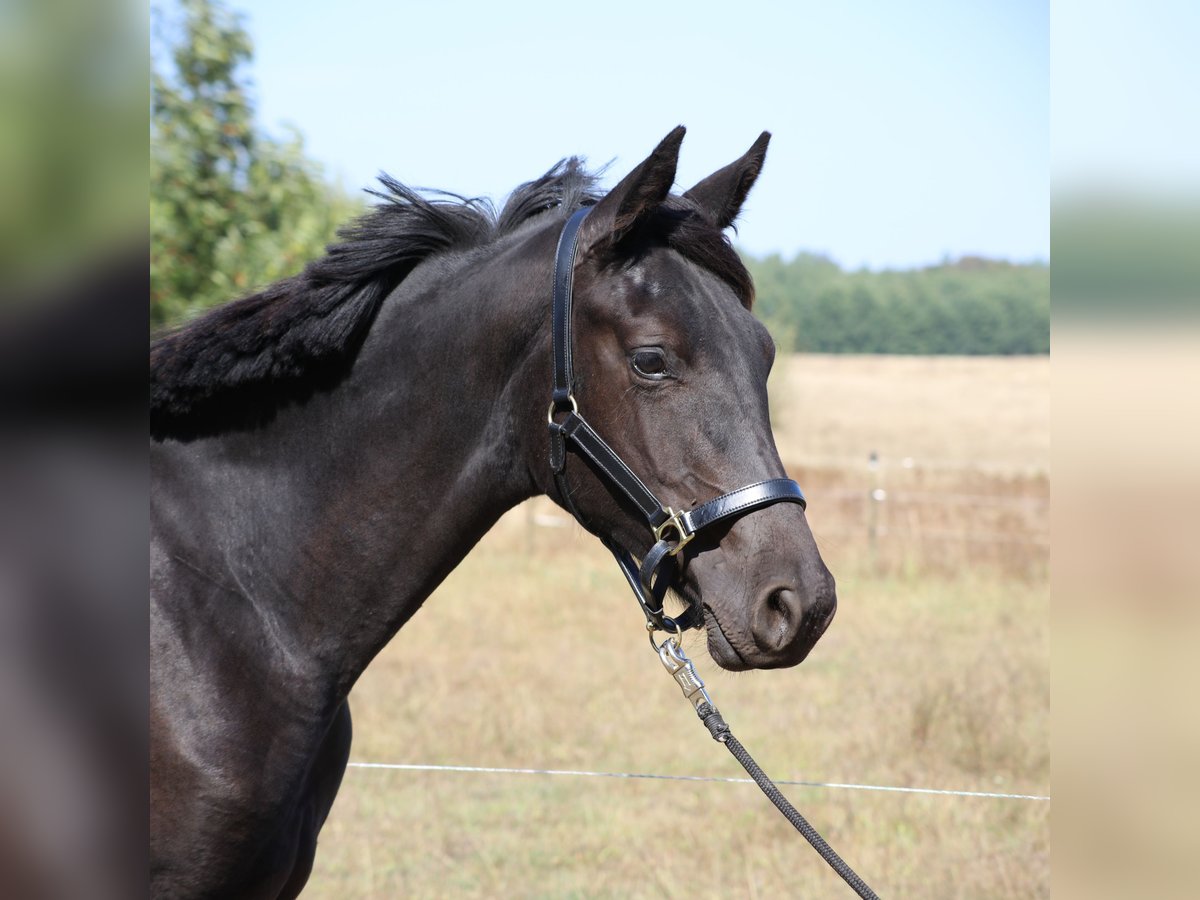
<point>672,530</point>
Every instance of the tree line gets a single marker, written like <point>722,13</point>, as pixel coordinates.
<point>969,306</point>
<point>233,209</point>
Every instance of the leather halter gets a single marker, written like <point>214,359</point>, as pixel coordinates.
<point>672,530</point>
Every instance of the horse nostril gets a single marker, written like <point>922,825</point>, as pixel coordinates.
<point>782,614</point>
<point>778,604</point>
<point>788,618</point>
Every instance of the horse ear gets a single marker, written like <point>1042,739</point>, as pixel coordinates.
<point>722,193</point>
<point>638,194</point>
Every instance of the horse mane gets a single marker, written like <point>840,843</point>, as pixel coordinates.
<point>236,365</point>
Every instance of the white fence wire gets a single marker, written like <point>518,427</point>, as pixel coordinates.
<point>497,770</point>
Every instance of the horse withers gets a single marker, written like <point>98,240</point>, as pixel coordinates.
<point>326,451</point>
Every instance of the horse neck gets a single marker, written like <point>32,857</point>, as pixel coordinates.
<point>342,515</point>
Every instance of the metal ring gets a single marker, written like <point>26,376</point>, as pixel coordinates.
<point>652,627</point>
<point>574,408</point>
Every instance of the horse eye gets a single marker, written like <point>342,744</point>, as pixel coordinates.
<point>650,362</point>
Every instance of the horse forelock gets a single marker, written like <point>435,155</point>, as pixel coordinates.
<point>681,226</point>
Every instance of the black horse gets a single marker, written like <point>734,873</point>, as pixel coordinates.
<point>327,451</point>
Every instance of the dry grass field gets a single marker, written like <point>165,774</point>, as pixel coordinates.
<point>962,412</point>
<point>935,674</point>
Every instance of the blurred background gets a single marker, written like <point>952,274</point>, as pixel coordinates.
<point>900,242</point>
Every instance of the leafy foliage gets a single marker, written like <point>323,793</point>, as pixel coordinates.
<point>972,306</point>
<point>231,208</point>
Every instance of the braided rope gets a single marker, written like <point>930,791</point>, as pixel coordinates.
<point>719,730</point>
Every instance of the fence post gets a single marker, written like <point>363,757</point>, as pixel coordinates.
<point>875,497</point>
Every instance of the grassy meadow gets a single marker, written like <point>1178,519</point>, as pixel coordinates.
<point>935,673</point>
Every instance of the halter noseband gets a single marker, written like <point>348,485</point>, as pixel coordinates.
<point>672,530</point>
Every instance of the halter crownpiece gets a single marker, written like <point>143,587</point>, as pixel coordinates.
<point>672,530</point>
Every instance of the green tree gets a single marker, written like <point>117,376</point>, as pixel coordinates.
<point>231,208</point>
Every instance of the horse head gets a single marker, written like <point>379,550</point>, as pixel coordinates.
<point>671,367</point>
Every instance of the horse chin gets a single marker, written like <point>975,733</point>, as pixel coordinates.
<point>722,651</point>
<point>720,648</point>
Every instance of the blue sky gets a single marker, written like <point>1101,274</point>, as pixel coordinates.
<point>902,132</point>
<point>1125,110</point>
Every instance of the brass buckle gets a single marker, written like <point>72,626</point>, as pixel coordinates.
<point>677,523</point>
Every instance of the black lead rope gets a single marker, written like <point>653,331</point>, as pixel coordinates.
<point>683,670</point>
<point>720,731</point>
<point>672,532</point>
